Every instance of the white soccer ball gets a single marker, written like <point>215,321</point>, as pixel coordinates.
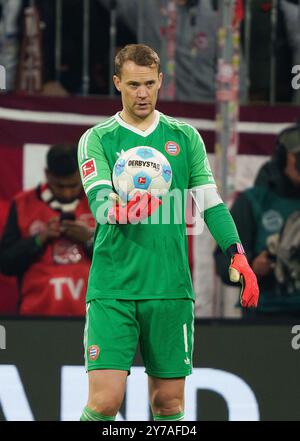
<point>142,169</point>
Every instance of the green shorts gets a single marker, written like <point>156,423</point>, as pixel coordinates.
<point>164,328</point>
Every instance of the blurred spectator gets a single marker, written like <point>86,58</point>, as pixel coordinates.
<point>10,12</point>
<point>196,42</point>
<point>47,240</point>
<point>68,80</point>
<point>268,220</point>
<point>291,13</point>
<point>8,285</point>
<point>260,52</point>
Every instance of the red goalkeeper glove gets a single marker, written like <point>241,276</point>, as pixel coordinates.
<point>141,206</point>
<point>240,271</point>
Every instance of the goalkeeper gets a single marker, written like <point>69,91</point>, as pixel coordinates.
<point>140,287</point>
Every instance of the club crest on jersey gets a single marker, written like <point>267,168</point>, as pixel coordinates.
<point>94,352</point>
<point>172,148</point>
<point>88,169</point>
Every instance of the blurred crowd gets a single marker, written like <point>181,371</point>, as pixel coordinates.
<point>267,217</point>
<point>47,240</point>
<point>47,233</point>
<point>184,34</point>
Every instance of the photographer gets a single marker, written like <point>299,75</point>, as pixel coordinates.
<point>267,217</point>
<point>47,240</point>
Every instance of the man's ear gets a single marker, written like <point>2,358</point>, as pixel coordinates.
<point>117,82</point>
<point>160,79</point>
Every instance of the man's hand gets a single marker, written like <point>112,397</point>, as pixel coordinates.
<point>52,231</point>
<point>262,265</point>
<point>138,208</point>
<point>76,231</point>
<point>240,271</point>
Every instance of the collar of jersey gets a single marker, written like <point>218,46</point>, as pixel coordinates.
<point>143,133</point>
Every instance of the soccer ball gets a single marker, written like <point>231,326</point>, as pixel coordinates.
<point>142,169</point>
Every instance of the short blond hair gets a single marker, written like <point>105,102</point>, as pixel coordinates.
<point>140,54</point>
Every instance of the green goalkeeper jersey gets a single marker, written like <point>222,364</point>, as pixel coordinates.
<point>146,260</point>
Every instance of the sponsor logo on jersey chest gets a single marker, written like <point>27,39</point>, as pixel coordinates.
<point>172,148</point>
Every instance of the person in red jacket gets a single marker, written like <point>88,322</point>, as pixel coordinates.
<point>8,285</point>
<point>47,240</point>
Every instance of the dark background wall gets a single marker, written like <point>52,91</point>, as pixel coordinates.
<point>259,354</point>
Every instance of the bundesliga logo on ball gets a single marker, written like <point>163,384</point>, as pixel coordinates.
<point>142,169</point>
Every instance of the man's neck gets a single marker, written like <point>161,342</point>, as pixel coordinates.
<point>138,123</point>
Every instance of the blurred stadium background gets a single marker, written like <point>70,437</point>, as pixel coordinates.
<point>58,57</point>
